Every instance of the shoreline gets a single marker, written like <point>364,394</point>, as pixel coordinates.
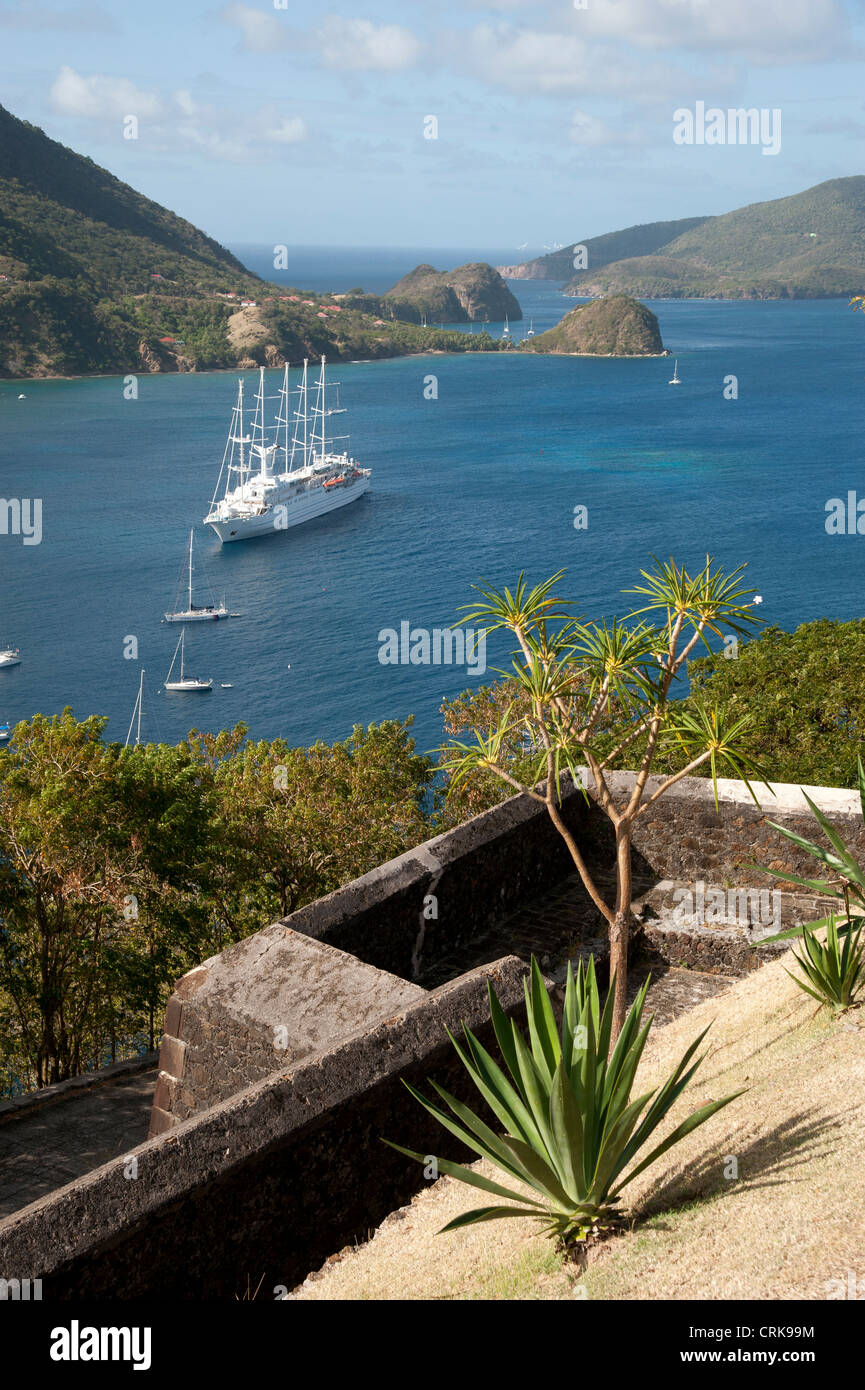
<point>342,362</point>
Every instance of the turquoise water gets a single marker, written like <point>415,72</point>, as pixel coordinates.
<point>482,481</point>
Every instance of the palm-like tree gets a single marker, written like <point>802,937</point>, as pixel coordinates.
<point>577,680</point>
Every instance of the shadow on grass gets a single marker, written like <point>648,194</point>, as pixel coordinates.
<point>768,1161</point>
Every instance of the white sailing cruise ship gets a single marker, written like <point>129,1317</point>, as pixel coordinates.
<point>257,499</point>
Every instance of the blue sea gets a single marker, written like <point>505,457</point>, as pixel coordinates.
<point>480,482</point>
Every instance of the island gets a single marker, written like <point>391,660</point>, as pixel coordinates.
<point>472,293</point>
<point>614,326</point>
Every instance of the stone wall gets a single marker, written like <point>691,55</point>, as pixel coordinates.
<point>343,962</point>
<point>283,1059</point>
<point>273,1180</point>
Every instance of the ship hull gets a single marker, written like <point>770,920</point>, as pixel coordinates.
<point>193,617</point>
<point>294,513</point>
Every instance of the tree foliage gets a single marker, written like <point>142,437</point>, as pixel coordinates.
<point>121,868</point>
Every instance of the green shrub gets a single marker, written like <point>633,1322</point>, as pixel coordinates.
<point>570,1127</point>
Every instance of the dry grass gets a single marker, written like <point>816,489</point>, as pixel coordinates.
<point>792,1221</point>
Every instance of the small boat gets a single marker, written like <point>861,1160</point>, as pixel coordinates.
<point>506,332</point>
<point>10,657</point>
<point>193,612</point>
<point>186,683</point>
<point>675,379</point>
<point>531,332</point>
<point>5,731</point>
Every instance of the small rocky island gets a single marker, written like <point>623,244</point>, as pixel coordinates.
<point>615,326</point>
<point>470,294</point>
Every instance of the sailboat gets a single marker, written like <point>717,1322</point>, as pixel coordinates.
<point>506,331</point>
<point>531,332</point>
<point>186,682</point>
<point>136,714</point>
<point>9,657</point>
<point>193,612</point>
<point>675,379</point>
<point>315,477</point>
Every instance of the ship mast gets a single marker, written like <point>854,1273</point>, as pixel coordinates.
<point>323,411</point>
<point>301,418</point>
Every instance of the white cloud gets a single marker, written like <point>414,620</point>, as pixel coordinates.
<point>588,130</point>
<point>535,61</point>
<point>260,32</point>
<point>101,98</point>
<point>287,130</point>
<point>358,45</point>
<point>766,31</point>
<point>179,120</point>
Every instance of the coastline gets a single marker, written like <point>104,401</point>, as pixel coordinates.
<point>514,351</point>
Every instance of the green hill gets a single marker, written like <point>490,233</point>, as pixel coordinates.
<point>469,294</point>
<point>94,277</point>
<point>616,326</point>
<point>810,245</point>
<point>641,240</point>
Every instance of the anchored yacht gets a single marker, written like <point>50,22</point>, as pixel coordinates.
<point>257,499</point>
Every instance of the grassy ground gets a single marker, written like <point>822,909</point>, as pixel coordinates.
<point>790,1223</point>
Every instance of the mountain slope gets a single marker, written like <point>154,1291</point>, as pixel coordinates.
<point>640,240</point>
<point>63,214</point>
<point>94,277</point>
<point>809,245</point>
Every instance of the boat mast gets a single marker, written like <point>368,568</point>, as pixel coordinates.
<point>323,450</point>
<point>136,712</point>
<point>301,417</point>
<point>285,408</point>
<point>189,601</point>
<point>239,409</point>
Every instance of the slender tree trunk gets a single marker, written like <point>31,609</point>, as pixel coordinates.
<point>620,928</point>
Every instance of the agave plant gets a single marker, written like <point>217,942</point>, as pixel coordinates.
<point>834,973</point>
<point>845,882</point>
<point>570,1128</point>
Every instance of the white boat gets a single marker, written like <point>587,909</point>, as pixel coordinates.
<point>5,732</point>
<point>186,682</point>
<point>193,613</point>
<point>314,479</point>
<point>506,332</point>
<point>675,379</point>
<point>10,657</point>
<point>531,332</point>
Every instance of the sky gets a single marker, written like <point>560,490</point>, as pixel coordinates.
<point>279,122</point>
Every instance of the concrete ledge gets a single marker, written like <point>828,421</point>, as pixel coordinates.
<point>262,1005</point>
<point>779,799</point>
<point>478,873</point>
<point>62,1090</point>
<point>269,1182</point>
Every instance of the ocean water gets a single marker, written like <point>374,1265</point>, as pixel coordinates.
<point>374,269</point>
<point>482,481</point>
